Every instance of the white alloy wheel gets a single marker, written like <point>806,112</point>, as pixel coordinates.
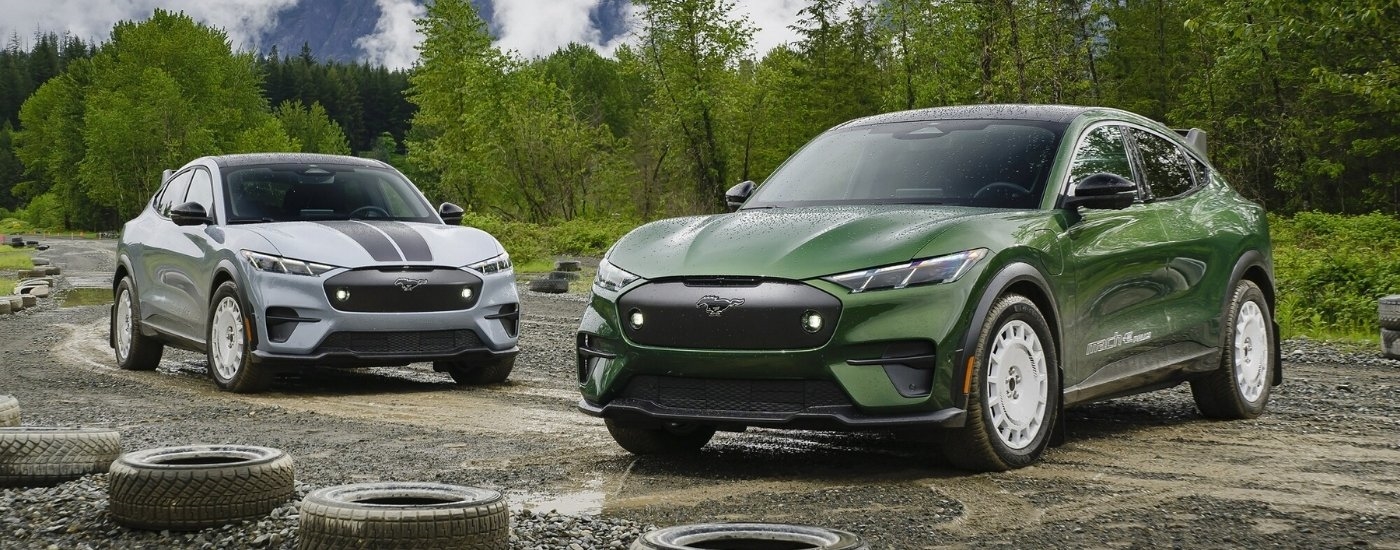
<point>1251,351</point>
<point>226,338</point>
<point>123,335</point>
<point>1018,385</point>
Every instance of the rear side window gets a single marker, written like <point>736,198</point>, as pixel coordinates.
<point>1163,165</point>
<point>174,193</point>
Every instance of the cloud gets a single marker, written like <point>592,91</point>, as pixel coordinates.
<point>395,40</point>
<point>243,20</point>
<point>536,28</point>
<point>772,19</point>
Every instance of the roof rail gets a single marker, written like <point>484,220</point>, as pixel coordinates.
<point>1196,138</point>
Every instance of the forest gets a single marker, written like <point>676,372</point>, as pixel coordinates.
<point>1301,99</point>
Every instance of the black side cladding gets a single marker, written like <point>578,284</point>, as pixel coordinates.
<point>379,247</point>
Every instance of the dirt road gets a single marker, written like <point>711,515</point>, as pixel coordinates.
<point>1320,469</point>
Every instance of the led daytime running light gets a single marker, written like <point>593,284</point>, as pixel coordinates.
<point>942,269</point>
<point>279,264</point>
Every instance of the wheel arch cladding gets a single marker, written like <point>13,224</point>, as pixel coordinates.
<point>1019,278</point>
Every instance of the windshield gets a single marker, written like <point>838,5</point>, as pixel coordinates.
<point>990,163</point>
<point>298,192</point>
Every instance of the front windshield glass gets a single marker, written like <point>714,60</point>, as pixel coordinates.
<point>989,163</point>
<point>315,192</point>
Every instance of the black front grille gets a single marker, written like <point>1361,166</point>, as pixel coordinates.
<point>749,396</point>
<point>729,314</point>
<point>401,343</point>
<point>403,290</point>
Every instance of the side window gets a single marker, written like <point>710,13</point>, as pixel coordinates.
<point>1202,171</point>
<point>174,193</point>
<point>201,191</point>
<point>1163,165</point>
<point>1101,150</point>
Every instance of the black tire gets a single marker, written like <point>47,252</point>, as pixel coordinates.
<point>193,487</point>
<point>1389,307</point>
<point>550,286</point>
<point>142,352</point>
<point>1222,394</point>
<point>1390,343</point>
<point>567,265</point>
<point>563,275</point>
<point>981,445</point>
<point>230,353</point>
<point>661,439</point>
<point>747,535</point>
<point>404,515</point>
<point>34,457</point>
<point>491,371</point>
<point>9,411</point>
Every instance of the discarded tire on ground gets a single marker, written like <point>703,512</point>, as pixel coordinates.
<point>751,536</point>
<point>29,300</point>
<point>1390,343</point>
<point>51,270</point>
<point>33,456</point>
<point>197,486</point>
<point>16,302</point>
<point>567,265</point>
<point>29,273</point>
<point>404,515</point>
<point>551,286</point>
<point>39,262</point>
<point>563,275</point>
<point>9,411</point>
<point>1389,307</point>
<point>5,308</point>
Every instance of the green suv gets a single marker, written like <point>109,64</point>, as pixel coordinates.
<point>966,272</point>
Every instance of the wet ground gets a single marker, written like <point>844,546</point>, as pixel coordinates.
<point>1320,469</point>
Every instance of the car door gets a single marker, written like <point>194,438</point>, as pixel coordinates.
<point>1114,258</point>
<point>1175,178</point>
<point>176,256</point>
<point>159,307</point>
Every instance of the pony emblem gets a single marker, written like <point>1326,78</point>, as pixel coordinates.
<point>409,284</point>
<point>715,306</point>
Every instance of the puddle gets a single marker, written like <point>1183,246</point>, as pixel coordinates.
<point>86,297</point>
<point>582,503</point>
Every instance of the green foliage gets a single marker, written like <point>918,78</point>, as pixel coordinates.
<point>530,243</point>
<point>311,128</point>
<point>1330,270</point>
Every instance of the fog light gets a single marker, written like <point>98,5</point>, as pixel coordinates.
<point>342,295</point>
<point>466,294</point>
<point>636,319</point>
<point>811,321</point>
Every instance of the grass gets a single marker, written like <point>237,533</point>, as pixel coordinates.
<point>7,286</point>
<point>15,258</point>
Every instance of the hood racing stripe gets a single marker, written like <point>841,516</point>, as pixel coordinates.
<point>374,242</point>
<point>411,243</point>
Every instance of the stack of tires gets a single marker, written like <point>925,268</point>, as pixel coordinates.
<point>34,456</point>
<point>1390,326</point>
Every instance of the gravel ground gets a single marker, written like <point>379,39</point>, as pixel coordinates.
<point>1321,469</point>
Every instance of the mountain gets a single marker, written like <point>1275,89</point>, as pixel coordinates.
<point>331,27</point>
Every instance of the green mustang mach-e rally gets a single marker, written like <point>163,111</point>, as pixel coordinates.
<point>964,272</point>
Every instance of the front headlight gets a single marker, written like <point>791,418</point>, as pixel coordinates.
<point>499,264</point>
<point>279,264</point>
<point>943,269</point>
<point>611,277</point>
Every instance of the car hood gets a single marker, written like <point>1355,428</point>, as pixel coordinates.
<point>360,243</point>
<point>792,243</point>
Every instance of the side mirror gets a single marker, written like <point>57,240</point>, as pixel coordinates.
<point>190,213</point>
<point>737,195</point>
<point>1103,191</point>
<point>451,214</point>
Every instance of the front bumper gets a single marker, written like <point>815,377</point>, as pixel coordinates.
<point>294,323</point>
<point>890,360</point>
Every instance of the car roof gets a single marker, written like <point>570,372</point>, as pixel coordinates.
<point>248,159</point>
<point>1047,113</point>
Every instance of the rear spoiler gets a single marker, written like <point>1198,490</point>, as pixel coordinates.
<point>1196,138</point>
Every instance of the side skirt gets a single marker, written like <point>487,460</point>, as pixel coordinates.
<point>1159,368</point>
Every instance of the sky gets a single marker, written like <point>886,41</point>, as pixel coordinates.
<point>529,27</point>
